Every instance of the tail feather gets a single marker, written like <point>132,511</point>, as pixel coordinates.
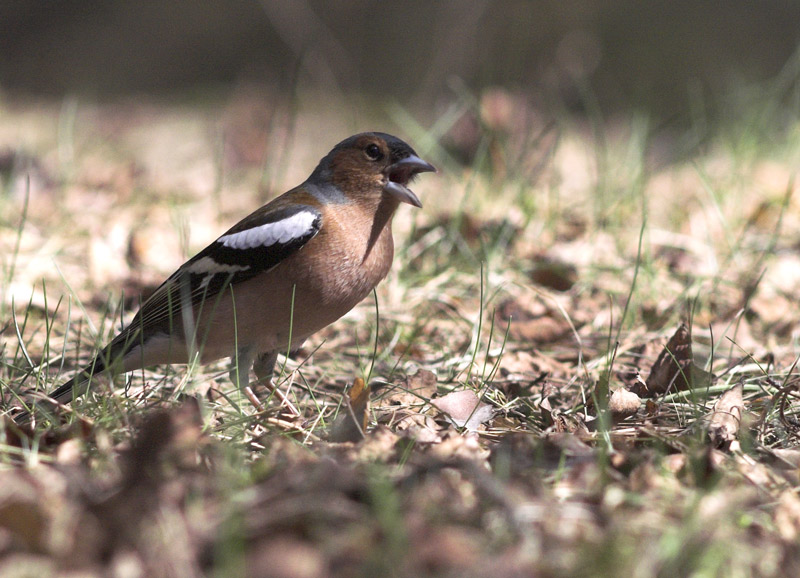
<point>63,393</point>
<point>108,357</point>
<point>66,392</point>
<point>75,387</point>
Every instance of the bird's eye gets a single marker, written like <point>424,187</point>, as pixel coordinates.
<point>374,152</point>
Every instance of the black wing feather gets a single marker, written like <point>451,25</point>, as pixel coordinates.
<point>195,287</point>
<point>254,261</point>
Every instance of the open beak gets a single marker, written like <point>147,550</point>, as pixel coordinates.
<point>403,172</point>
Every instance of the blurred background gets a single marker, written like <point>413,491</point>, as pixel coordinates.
<point>667,58</point>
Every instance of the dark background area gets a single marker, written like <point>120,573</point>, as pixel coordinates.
<point>657,56</point>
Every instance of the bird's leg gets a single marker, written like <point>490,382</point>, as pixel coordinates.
<point>240,374</point>
<point>264,368</point>
<point>240,367</point>
<point>264,365</point>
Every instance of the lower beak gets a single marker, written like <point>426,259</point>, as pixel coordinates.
<point>408,167</point>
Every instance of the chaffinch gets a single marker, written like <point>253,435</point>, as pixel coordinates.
<point>286,271</point>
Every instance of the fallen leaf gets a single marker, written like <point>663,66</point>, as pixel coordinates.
<point>623,403</point>
<point>69,453</point>
<point>379,446</point>
<point>787,516</point>
<point>464,409</point>
<point>456,446</point>
<point>530,320</point>
<point>539,330</point>
<point>285,556</point>
<point>789,457</point>
<point>755,472</point>
<point>674,463</point>
<point>351,423</point>
<point>726,417</point>
<point>527,366</point>
<point>417,389</point>
<point>23,521</point>
<point>554,274</point>
<point>446,550</point>
<point>672,369</point>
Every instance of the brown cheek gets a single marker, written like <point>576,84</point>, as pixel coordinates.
<point>354,180</point>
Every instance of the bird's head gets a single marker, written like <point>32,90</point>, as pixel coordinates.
<point>373,165</point>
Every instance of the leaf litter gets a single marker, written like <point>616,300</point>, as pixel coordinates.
<point>507,431</point>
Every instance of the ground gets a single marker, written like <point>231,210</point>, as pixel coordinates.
<point>581,364</point>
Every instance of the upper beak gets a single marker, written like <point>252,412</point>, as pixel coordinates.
<point>414,164</point>
<point>400,173</point>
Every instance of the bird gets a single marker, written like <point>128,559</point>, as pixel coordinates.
<point>281,274</point>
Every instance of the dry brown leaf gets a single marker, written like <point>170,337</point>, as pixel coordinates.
<point>417,389</point>
<point>726,417</point>
<point>674,463</point>
<point>450,550</point>
<point>351,423</point>
<point>422,431</point>
<point>672,369</point>
<point>790,457</point>
<point>522,307</point>
<point>22,518</point>
<point>623,403</point>
<point>69,453</point>
<point>464,409</point>
<point>455,446</point>
<point>378,446</point>
<point>539,330</point>
<point>518,365</point>
<point>554,274</point>
<point>755,472</point>
<point>787,516</point>
<point>403,419</point>
<point>556,420</point>
<point>282,556</point>
<point>531,320</point>
<point>527,365</point>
